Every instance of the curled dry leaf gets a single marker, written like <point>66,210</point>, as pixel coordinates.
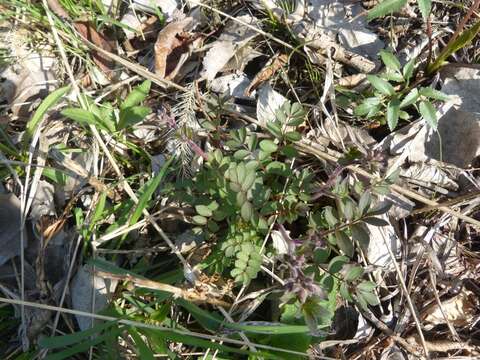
<point>319,40</point>
<point>459,310</point>
<point>29,76</point>
<point>231,41</point>
<point>172,42</point>
<point>267,72</point>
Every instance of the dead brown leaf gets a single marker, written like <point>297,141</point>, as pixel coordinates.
<point>459,310</point>
<point>267,72</point>
<point>88,32</point>
<point>172,42</point>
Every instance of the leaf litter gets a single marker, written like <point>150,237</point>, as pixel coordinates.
<point>278,159</point>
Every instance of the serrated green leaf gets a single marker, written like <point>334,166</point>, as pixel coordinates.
<point>212,226</point>
<point>241,172</point>
<point>249,180</point>
<point>235,187</point>
<point>428,113</point>
<point>366,106</point>
<point>132,115</point>
<point>380,209</point>
<point>320,256</point>
<point>366,286</point>
<point>242,132</point>
<point>275,129</point>
<point>407,70</point>
<point>344,292</point>
<point>425,7</point>
<point>137,95</point>
<point>84,117</point>
<point>348,210</point>
<point>393,109</point>
<point>369,297</point>
<point>232,173</point>
<point>289,151</point>
<point>433,94</point>
<point>393,76</point>
<point>252,142</point>
<point>241,198</point>
<point>268,146</point>
<point>293,136</point>
<point>410,99</point>
<point>330,217</point>
<point>390,60</point>
<point>381,85</point>
<point>385,7</point>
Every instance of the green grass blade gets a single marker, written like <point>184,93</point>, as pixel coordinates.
<point>70,339</point>
<point>84,346</point>
<point>211,322</point>
<point>464,39</point>
<point>46,104</point>
<point>151,186</point>
<point>144,351</point>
